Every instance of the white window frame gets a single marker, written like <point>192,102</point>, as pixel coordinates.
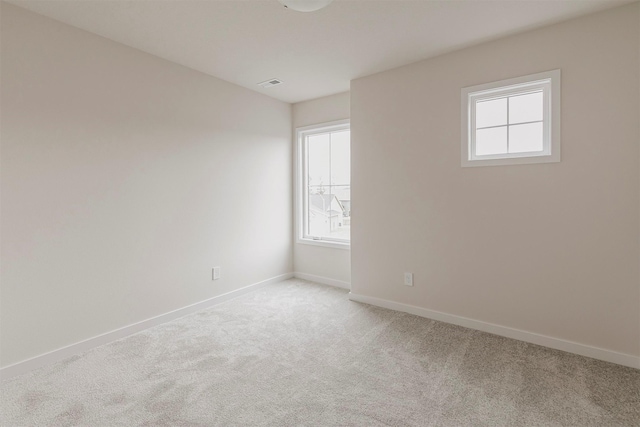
<point>549,83</point>
<point>301,183</point>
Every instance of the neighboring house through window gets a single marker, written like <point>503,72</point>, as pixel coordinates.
<point>323,194</point>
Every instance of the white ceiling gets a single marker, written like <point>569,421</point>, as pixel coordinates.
<point>315,54</point>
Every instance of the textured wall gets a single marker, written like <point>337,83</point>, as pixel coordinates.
<point>125,179</point>
<point>316,260</point>
<point>546,248</point>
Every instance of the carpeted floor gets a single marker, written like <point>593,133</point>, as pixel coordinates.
<point>301,354</point>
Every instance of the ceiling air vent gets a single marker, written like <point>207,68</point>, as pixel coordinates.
<point>270,82</point>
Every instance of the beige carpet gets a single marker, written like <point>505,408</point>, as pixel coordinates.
<point>300,354</point>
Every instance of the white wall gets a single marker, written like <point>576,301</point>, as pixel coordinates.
<point>125,179</point>
<point>320,261</point>
<point>547,248</point>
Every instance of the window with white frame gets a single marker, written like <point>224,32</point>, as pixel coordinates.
<point>512,121</point>
<point>324,184</point>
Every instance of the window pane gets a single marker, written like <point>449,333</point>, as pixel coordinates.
<point>341,223</point>
<point>318,149</point>
<point>343,193</point>
<point>315,207</point>
<point>328,190</point>
<point>327,216</point>
<point>340,158</point>
<point>491,113</point>
<point>526,138</point>
<point>526,108</point>
<point>491,141</point>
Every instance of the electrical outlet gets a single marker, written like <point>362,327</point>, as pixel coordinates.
<point>216,273</point>
<point>408,279</point>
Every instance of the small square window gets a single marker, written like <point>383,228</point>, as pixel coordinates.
<point>512,121</point>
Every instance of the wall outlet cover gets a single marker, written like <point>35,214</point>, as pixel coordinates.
<point>408,279</point>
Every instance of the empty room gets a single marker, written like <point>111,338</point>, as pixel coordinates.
<point>320,213</point>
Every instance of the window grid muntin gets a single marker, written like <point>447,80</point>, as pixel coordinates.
<point>508,125</point>
<point>304,147</point>
<point>507,92</point>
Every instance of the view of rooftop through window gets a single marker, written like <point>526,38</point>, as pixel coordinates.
<point>328,186</point>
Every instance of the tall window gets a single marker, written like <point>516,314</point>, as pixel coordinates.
<point>324,184</point>
<point>512,121</point>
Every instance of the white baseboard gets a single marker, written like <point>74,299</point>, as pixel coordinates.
<point>530,337</point>
<point>323,280</point>
<point>82,346</point>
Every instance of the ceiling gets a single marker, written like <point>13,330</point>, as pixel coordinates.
<point>316,54</point>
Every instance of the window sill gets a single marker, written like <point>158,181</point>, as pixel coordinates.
<point>522,160</point>
<point>325,243</point>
